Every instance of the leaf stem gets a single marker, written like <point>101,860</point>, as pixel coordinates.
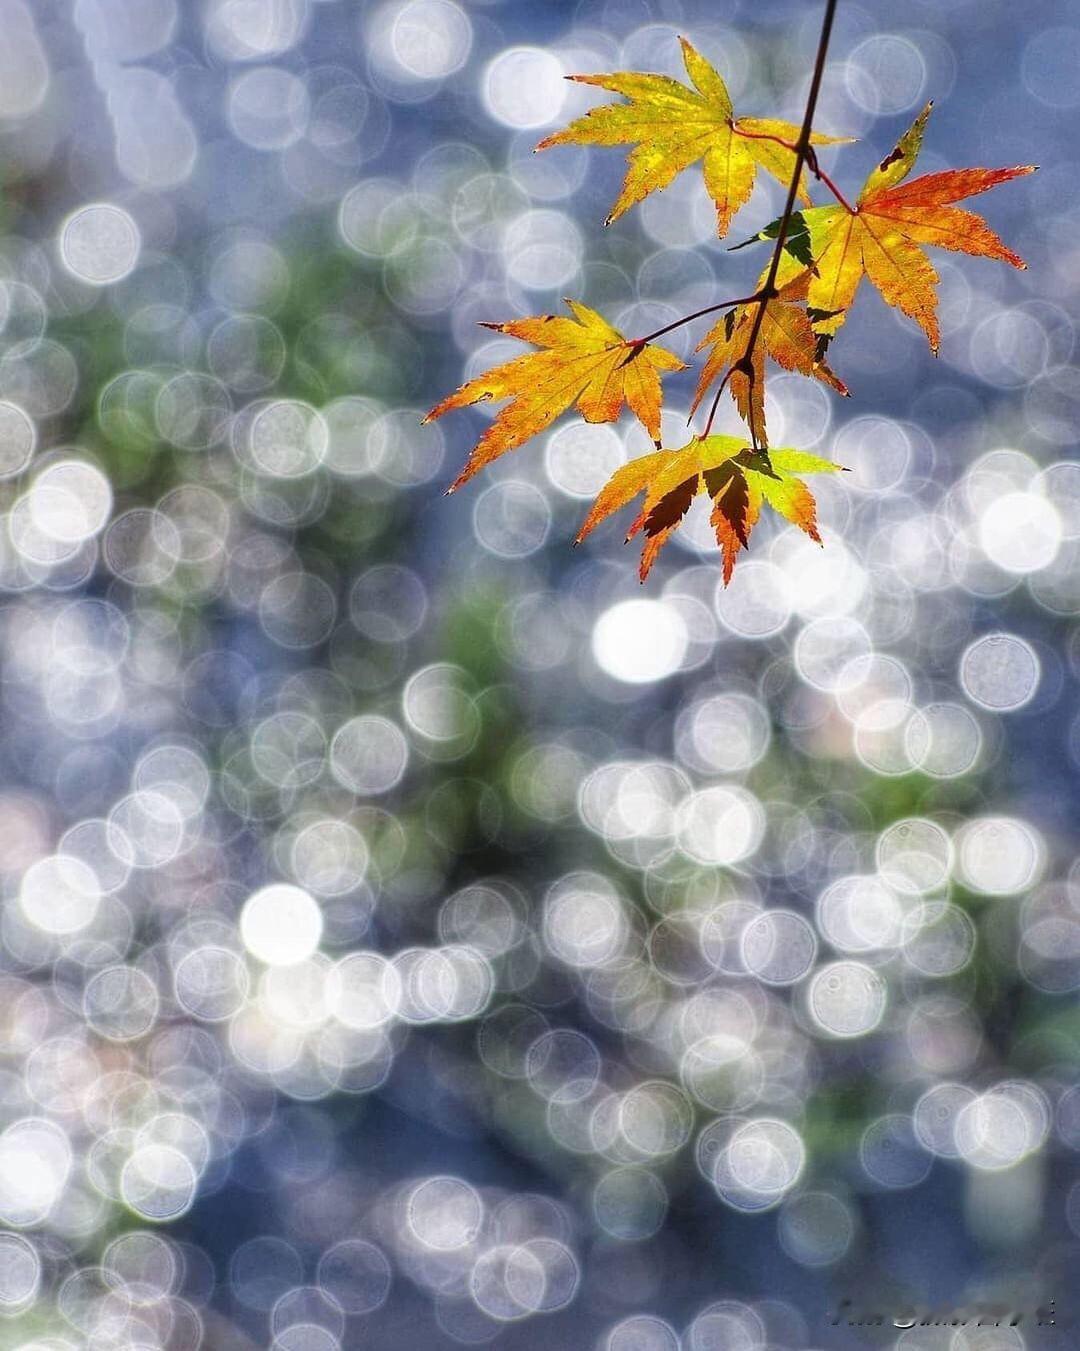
<point>811,162</point>
<point>689,318</point>
<point>802,147</point>
<point>819,173</point>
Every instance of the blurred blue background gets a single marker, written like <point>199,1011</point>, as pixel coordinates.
<point>414,932</point>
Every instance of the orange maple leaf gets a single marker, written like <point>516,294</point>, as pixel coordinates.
<point>786,335</point>
<point>737,478</point>
<point>583,360</point>
<point>675,126</point>
<point>880,237</point>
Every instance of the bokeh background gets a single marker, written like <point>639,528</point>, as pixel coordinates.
<point>415,933</point>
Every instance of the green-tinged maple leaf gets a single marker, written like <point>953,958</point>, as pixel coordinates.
<point>880,237</point>
<point>674,126</point>
<point>583,361</point>
<point>786,335</point>
<point>738,480</point>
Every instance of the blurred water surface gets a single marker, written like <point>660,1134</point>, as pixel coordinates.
<point>412,931</point>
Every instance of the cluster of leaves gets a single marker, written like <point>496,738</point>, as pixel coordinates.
<point>821,254</point>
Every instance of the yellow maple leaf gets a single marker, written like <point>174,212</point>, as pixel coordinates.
<point>675,126</point>
<point>786,335</point>
<point>583,361</point>
<point>880,237</point>
<point>738,479</point>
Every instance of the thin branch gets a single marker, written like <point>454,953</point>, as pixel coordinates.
<point>802,147</point>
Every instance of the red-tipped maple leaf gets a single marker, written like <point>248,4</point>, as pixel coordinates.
<point>880,237</point>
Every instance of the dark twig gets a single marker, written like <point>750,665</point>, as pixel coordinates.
<point>768,291</point>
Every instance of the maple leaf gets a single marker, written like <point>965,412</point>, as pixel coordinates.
<point>880,237</point>
<point>675,126</point>
<point>738,479</point>
<point>786,335</point>
<point>583,361</point>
